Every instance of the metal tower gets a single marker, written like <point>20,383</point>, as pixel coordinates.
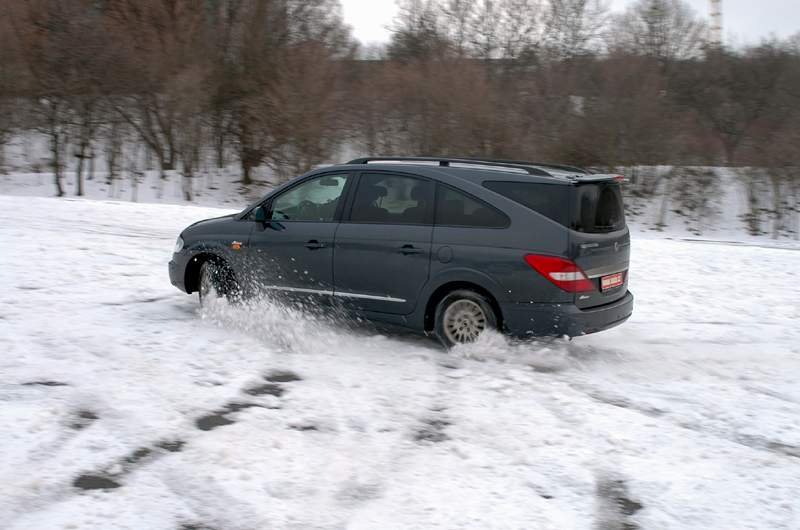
<point>715,30</point>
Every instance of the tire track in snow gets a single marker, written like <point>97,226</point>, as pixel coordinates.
<point>758,443</point>
<point>213,505</point>
<point>424,424</point>
<point>110,476</point>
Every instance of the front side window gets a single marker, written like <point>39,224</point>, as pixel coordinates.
<point>392,199</point>
<point>454,208</point>
<point>313,200</point>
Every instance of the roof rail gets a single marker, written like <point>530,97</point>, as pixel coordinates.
<point>536,164</point>
<point>445,162</point>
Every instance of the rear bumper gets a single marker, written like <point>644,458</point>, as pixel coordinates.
<point>537,320</point>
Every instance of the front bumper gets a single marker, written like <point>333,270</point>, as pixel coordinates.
<point>177,271</point>
<point>545,320</point>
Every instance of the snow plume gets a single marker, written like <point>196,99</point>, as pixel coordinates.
<point>282,326</point>
<point>546,355</point>
<point>302,328</point>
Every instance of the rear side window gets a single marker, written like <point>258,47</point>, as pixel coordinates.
<point>392,199</point>
<point>599,208</point>
<point>550,200</point>
<point>454,208</point>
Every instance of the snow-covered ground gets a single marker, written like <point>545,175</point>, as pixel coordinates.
<point>122,406</point>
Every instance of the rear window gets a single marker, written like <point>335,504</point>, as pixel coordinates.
<point>594,207</point>
<point>599,208</point>
<point>550,200</point>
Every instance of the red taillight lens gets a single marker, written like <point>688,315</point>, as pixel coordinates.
<point>561,272</point>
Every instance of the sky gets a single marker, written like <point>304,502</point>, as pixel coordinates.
<point>744,21</point>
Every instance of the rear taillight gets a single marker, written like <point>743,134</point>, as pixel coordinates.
<point>561,272</point>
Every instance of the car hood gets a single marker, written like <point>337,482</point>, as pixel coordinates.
<point>213,220</point>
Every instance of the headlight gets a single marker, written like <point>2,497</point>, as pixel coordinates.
<point>178,245</point>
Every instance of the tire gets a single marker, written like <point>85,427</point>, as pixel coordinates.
<point>215,280</point>
<point>461,316</point>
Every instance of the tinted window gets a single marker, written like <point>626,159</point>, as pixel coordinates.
<point>454,208</point>
<point>313,200</point>
<point>392,199</point>
<point>599,208</point>
<point>550,200</point>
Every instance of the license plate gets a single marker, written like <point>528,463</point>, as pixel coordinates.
<point>612,281</point>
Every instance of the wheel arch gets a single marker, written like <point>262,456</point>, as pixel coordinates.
<point>192,274</point>
<point>444,289</point>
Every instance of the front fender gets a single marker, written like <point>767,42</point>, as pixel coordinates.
<point>204,251</point>
<point>220,249</point>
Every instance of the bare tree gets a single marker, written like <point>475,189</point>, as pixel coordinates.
<point>11,85</point>
<point>85,125</point>
<point>113,135</point>
<point>484,29</point>
<point>46,30</point>
<point>417,33</point>
<point>506,29</point>
<point>770,144</point>
<point>492,29</point>
<point>731,92</point>
<point>190,124</point>
<point>522,28</point>
<point>162,40</point>
<point>307,94</point>
<point>260,35</point>
<point>456,18</point>
<point>668,30</point>
<point>574,27</point>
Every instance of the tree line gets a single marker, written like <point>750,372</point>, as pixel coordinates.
<point>283,84</point>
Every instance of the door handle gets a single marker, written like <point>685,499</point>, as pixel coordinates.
<point>314,244</point>
<point>410,249</point>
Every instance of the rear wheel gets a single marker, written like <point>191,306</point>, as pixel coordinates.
<point>462,316</point>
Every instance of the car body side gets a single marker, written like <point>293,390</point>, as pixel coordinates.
<point>487,260</point>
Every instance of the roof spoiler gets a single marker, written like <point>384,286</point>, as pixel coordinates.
<point>600,177</point>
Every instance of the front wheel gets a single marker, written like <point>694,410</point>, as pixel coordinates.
<point>215,280</point>
<point>462,316</point>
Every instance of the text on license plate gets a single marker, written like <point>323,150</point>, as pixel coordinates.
<point>611,281</point>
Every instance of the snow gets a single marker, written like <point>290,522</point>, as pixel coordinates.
<point>687,416</point>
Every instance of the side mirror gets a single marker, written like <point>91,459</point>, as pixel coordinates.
<point>261,214</point>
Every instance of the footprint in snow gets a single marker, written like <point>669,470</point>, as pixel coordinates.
<point>282,376</point>
<point>84,419</point>
<point>220,417</point>
<point>109,478</point>
<point>432,430</point>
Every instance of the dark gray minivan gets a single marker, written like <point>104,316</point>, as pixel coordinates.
<point>439,245</point>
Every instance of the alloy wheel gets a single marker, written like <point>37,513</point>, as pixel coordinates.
<point>464,321</point>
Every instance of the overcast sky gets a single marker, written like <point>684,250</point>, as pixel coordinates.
<point>744,21</point>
